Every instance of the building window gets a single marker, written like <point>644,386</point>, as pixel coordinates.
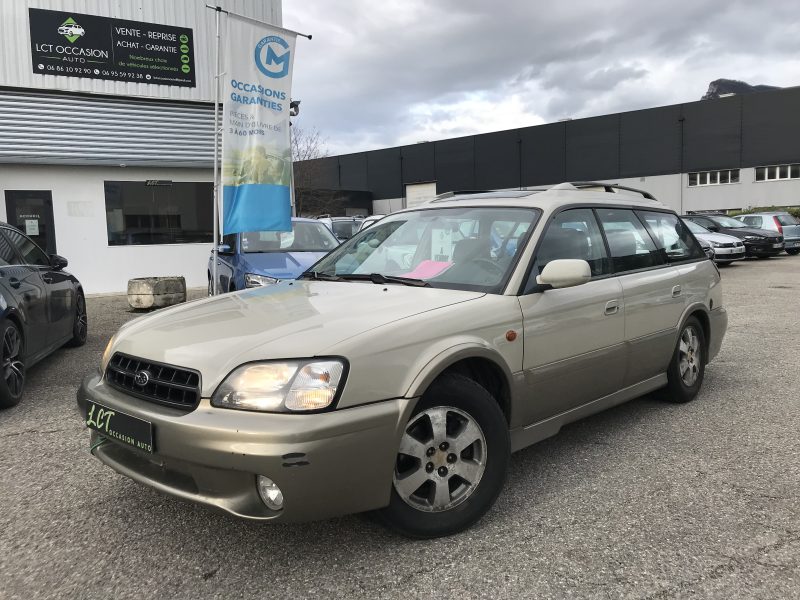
<point>714,177</point>
<point>159,212</point>
<point>776,172</point>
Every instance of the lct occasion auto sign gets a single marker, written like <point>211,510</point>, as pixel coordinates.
<point>78,45</point>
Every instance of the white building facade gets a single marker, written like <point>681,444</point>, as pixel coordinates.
<point>106,132</point>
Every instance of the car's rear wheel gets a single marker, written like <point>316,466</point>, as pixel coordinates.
<point>793,252</point>
<point>12,382</point>
<point>688,366</point>
<point>80,326</point>
<point>452,460</point>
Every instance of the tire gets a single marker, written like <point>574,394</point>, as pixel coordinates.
<point>80,326</point>
<point>12,382</point>
<point>793,252</point>
<point>683,386</point>
<point>465,415</point>
<point>210,290</point>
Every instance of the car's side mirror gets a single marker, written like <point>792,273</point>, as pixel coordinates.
<point>223,249</point>
<point>565,272</point>
<point>58,262</point>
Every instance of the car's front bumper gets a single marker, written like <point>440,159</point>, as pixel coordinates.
<point>763,249</point>
<point>326,464</point>
<point>724,255</point>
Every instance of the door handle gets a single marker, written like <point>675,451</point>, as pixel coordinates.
<point>676,291</point>
<point>14,282</point>
<point>612,307</point>
<point>47,279</point>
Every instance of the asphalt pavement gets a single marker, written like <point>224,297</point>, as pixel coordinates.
<point>647,500</point>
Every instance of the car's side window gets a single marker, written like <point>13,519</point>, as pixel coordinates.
<point>7,254</point>
<point>630,245</point>
<point>752,221</point>
<point>31,253</point>
<point>671,236</point>
<point>574,233</point>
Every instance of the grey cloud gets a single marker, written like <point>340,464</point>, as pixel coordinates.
<point>369,62</point>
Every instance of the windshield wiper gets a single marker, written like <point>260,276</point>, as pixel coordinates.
<point>316,275</point>
<point>381,279</point>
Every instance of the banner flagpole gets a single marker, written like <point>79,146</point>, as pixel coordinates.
<point>215,248</point>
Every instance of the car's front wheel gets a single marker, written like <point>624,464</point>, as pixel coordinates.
<point>793,252</point>
<point>80,324</point>
<point>12,382</point>
<point>452,460</point>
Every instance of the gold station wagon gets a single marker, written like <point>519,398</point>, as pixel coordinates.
<point>399,373</point>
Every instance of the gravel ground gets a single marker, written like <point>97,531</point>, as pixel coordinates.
<point>647,500</point>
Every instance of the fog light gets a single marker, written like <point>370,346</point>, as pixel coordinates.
<point>270,493</point>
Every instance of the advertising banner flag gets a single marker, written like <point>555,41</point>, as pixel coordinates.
<point>256,153</point>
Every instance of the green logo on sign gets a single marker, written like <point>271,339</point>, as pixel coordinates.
<point>71,30</point>
<point>184,38</point>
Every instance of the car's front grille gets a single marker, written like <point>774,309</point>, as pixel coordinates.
<point>727,245</point>
<point>163,384</point>
<point>774,240</point>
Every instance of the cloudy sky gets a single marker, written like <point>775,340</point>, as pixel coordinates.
<point>382,73</point>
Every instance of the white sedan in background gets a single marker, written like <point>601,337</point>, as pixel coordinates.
<point>727,248</point>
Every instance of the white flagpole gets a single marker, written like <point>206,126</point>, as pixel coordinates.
<point>215,249</point>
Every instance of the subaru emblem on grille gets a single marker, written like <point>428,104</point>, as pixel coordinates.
<point>142,378</point>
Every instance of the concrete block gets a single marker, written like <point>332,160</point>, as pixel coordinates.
<point>156,292</point>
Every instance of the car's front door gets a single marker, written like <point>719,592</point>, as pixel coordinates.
<point>58,288</point>
<point>574,349</point>
<point>25,283</point>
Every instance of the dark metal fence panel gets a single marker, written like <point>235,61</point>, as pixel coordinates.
<point>455,164</point>
<point>497,160</point>
<point>383,173</point>
<point>593,148</point>
<point>650,142</point>
<point>771,128</point>
<point>542,154</point>
<point>712,134</point>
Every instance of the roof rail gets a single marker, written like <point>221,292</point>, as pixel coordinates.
<point>446,195</point>
<point>610,187</point>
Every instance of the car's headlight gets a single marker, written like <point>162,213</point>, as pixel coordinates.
<point>751,237</point>
<point>106,355</point>
<point>252,280</point>
<point>287,386</point>
<point>713,244</point>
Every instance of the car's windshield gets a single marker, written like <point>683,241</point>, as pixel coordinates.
<point>727,222</point>
<point>695,228</point>
<point>787,220</point>
<point>456,248</point>
<point>304,237</point>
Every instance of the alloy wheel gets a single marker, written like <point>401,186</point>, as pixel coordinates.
<point>13,367</point>
<point>81,320</point>
<point>690,356</point>
<point>441,460</point>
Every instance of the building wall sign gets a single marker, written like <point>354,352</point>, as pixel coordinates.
<point>78,45</point>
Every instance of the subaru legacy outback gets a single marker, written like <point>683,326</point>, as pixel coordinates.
<point>399,373</point>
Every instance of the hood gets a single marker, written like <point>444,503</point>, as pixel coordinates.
<point>281,265</point>
<point>719,238</point>
<point>291,319</point>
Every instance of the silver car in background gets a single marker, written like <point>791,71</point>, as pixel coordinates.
<point>726,248</point>
<point>782,222</point>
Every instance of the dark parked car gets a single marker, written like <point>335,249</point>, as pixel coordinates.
<point>782,222</point>
<point>757,242</point>
<point>43,308</point>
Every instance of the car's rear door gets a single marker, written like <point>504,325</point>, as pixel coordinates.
<point>574,349</point>
<point>651,289</point>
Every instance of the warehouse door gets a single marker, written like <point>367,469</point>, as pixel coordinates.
<point>420,193</point>
<point>32,213</point>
